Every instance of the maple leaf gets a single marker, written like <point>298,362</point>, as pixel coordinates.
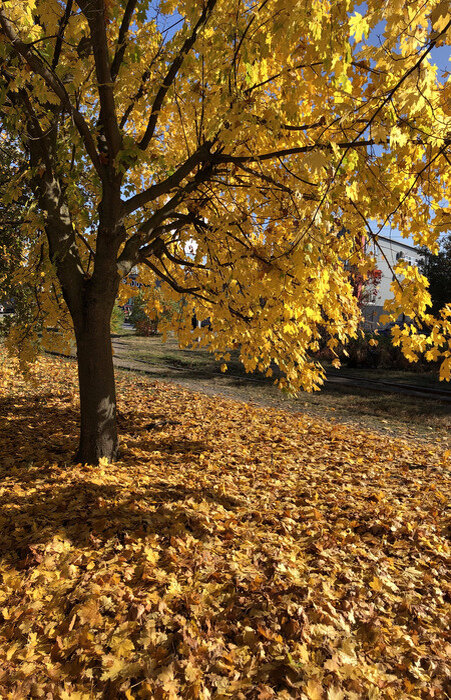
<point>113,667</point>
<point>358,26</point>
<point>283,517</point>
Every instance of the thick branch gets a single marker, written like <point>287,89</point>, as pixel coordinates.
<point>122,38</point>
<point>170,206</point>
<point>149,229</point>
<point>172,73</point>
<point>94,13</point>
<point>58,227</point>
<point>165,186</point>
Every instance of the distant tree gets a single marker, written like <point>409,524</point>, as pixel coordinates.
<point>437,269</point>
<point>366,286</point>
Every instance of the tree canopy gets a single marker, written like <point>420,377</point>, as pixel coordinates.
<point>236,151</point>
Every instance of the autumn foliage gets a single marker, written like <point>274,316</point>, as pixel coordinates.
<point>232,552</point>
<point>233,153</point>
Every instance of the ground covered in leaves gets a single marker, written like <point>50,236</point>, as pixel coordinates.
<point>233,552</point>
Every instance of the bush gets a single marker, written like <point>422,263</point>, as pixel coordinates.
<point>148,325</point>
<point>144,325</point>
<point>384,355</point>
<point>361,353</point>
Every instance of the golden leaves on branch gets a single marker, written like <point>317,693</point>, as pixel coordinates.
<point>313,136</point>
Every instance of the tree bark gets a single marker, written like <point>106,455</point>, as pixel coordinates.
<point>98,427</point>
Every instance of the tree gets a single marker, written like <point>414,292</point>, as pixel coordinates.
<point>366,288</point>
<point>437,270</point>
<point>117,319</point>
<point>222,147</point>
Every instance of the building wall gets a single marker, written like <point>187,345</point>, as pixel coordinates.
<point>386,259</point>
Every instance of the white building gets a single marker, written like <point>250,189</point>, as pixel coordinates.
<point>387,254</point>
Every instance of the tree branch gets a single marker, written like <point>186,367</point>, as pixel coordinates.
<point>224,158</point>
<point>148,230</point>
<point>94,13</point>
<point>172,283</point>
<point>170,206</point>
<point>392,92</point>
<point>158,247</point>
<point>165,186</point>
<point>59,229</point>
<point>172,73</point>
<point>179,261</point>
<point>300,66</point>
<point>59,39</point>
<point>138,94</point>
<point>265,178</point>
<point>122,38</point>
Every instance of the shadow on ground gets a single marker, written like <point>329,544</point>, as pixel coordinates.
<point>40,498</point>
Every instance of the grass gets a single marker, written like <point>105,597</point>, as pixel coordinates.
<point>398,415</point>
<point>414,377</point>
<point>395,414</point>
<point>154,350</point>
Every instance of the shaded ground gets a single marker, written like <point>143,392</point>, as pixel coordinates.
<point>395,414</point>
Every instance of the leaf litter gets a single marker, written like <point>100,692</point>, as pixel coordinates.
<point>232,552</point>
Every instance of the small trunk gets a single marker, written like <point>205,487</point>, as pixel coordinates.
<point>98,428</point>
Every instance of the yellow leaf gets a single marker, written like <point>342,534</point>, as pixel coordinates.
<point>113,667</point>
<point>358,26</point>
<point>314,690</point>
<point>376,584</point>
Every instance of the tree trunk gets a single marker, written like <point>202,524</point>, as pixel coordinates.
<point>98,428</point>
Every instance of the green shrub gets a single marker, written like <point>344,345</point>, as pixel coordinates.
<point>144,325</point>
